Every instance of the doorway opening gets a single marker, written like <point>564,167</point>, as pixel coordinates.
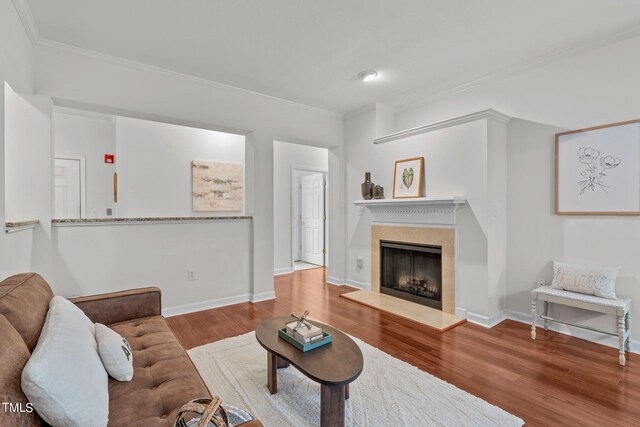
<point>301,221</point>
<point>309,218</point>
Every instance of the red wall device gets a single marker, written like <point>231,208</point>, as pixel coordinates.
<point>109,158</point>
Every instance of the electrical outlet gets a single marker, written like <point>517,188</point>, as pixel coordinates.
<point>360,210</point>
<point>94,212</point>
<point>359,262</point>
<point>191,275</point>
<point>541,282</point>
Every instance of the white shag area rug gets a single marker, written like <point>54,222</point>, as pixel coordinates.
<point>389,392</point>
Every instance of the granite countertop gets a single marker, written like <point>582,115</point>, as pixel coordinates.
<point>20,224</point>
<point>147,219</point>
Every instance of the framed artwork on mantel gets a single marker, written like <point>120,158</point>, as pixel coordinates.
<point>408,175</point>
<point>598,170</point>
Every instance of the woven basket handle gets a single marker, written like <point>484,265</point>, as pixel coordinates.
<point>207,409</point>
<point>198,408</point>
<point>209,413</point>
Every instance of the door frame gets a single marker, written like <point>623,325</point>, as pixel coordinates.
<point>295,222</point>
<point>83,185</point>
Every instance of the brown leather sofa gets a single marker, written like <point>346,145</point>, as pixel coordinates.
<point>164,376</point>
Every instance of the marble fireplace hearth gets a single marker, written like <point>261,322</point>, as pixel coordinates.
<point>424,222</point>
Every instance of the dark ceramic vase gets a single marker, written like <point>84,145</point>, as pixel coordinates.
<point>367,187</point>
<point>378,192</point>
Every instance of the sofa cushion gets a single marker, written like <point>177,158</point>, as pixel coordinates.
<point>164,377</point>
<point>13,356</point>
<point>64,377</point>
<point>24,301</point>
<point>115,353</point>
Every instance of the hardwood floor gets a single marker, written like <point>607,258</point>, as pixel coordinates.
<point>554,380</point>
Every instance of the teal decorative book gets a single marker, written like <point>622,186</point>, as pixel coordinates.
<point>304,347</point>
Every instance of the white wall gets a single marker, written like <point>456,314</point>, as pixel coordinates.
<point>154,166</point>
<point>590,88</point>
<point>537,236</point>
<point>285,157</point>
<point>90,136</point>
<point>27,154</point>
<point>153,161</point>
<point>457,161</point>
<point>18,49</point>
<point>587,89</point>
<point>17,68</point>
<point>27,149</point>
<point>108,258</point>
<point>71,77</point>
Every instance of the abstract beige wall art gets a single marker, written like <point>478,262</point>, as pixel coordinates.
<point>217,186</point>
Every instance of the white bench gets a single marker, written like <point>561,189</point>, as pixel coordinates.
<point>621,308</point>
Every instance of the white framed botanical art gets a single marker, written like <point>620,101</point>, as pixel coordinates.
<point>598,170</point>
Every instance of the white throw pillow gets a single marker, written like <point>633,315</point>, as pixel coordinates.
<point>600,282</point>
<point>115,353</point>
<point>64,378</point>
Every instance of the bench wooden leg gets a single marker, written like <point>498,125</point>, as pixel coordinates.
<point>628,324</point>
<point>533,319</point>
<point>545,306</point>
<point>621,339</point>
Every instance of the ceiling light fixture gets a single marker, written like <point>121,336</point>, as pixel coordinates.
<point>368,75</point>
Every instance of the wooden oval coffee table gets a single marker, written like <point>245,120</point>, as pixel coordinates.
<point>334,365</point>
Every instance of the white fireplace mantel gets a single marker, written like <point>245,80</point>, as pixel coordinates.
<point>422,210</point>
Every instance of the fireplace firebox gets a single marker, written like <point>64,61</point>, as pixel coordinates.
<point>412,272</point>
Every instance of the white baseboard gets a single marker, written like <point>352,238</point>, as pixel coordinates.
<point>359,285</point>
<point>204,305</point>
<point>572,331</point>
<point>335,281</point>
<point>285,270</point>
<point>263,296</point>
<point>482,320</point>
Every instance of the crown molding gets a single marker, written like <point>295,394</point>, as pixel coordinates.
<point>67,111</point>
<point>359,111</point>
<point>28,22</point>
<point>376,106</point>
<point>380,106</point>
<point>158,70</point>
<point>484,114</point>
<point>409,100</point>
<point>406,101</point>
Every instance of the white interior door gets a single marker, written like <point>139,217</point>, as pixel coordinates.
<point>312,218</point>
<point>296,246</point>
<point>67,189</point>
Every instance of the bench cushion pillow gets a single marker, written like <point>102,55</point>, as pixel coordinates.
<point>115,353</point>
<point>64,378</point>
<point>600,282</point>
